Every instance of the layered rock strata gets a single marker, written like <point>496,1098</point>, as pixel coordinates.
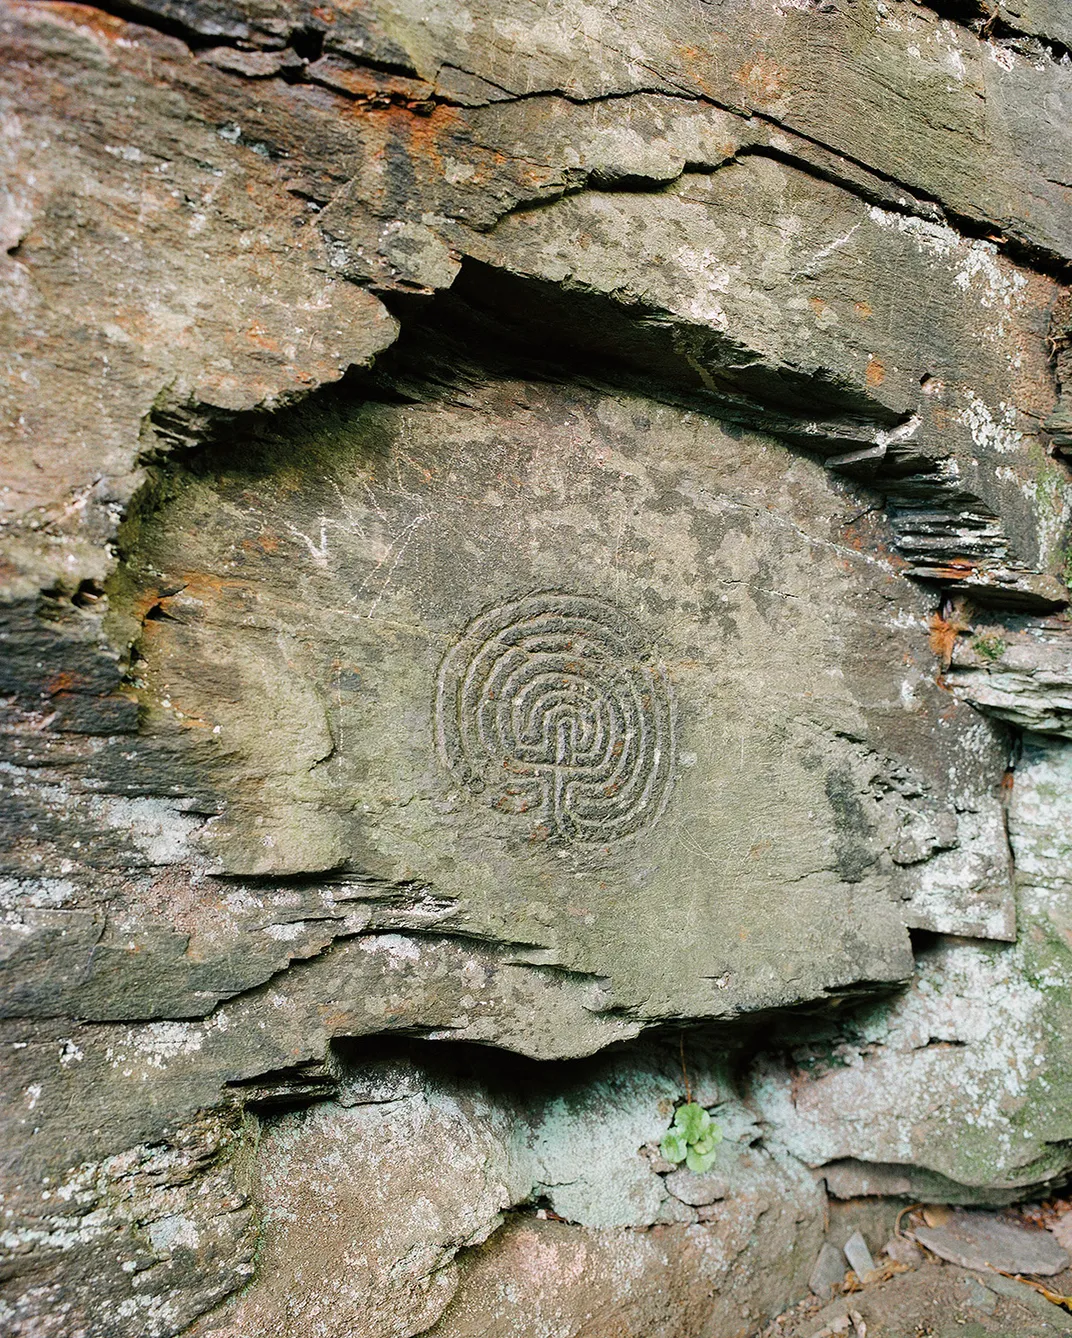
<point>543,530</point>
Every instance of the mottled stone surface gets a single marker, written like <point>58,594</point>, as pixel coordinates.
<point>371,1199</point>
<point>947,1302</point>
<point>1019,674</point>
<point>671,1281</point>
<point>364,733</point>
<point>522,526</point>
<point>155,263</point>
<point>963,1075</point>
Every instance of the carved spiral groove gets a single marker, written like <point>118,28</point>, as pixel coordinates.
<point>551,707</point>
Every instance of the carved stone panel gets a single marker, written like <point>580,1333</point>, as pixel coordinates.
<point>550,708</point>
<point>580,674</point>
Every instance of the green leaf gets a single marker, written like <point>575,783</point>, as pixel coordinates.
<point>673,1147</point>
<point>710,1140</point>
<point>693,1121</point>
<point>700,1162</point>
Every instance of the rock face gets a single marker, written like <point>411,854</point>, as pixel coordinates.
<point>365,1218</point>
<point>541,529</point>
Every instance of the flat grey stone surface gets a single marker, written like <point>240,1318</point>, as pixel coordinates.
<point>696,1190</point>
<point>984,1240</point>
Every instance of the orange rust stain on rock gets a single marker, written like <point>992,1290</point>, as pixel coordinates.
<point>956,569</point>
<point>104,25</point>
<point>943,636</point>
<point>204,585</point>
<point>875,372</point>
<point>862,309</point>
<point>66,681</point>
<point>263,543</point>
<point>698,63</point>
<point>763,77</point>
<point>262,338</point>
<point>427,137</point>
<point>340,1019</point>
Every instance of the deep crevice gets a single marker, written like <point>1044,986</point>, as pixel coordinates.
<point>986,23</point>
<point>308,43</point>
<point>133,12</point>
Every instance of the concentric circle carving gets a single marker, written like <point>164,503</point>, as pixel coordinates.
<point>552,708</point>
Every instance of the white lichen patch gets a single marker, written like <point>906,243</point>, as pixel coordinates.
<point>19,894</point>
<point>170,1233</point>
<point>934,239</point>
<point>991,433</point>
<point>286,932</point>
<point>955,1054</point>
<point>398,950</point>
<point>153,1045</point>
<point>159,828</point>
<point>111,1221</point>
<point>979,270</point>
<point>710,276</point>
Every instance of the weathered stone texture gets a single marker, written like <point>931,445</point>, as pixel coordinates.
<point>643,491</point>
<point>524,525</point>
<point>155,262</point>
<point>958,1077</point>
<point>364,1216</point>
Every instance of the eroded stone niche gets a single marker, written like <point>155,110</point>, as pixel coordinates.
<point>449,1189</point>
<point>533,712</point>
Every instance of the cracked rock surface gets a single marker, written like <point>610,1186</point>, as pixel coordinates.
<point>533,556</point>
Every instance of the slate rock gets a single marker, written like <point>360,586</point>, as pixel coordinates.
<point>255,813</point>
<point>903,1251</point>
<point>1061,1230</point>
<point>544,1277</point>
<point>696,1190</point>
<point>858,1255</point>
<point>829,1270</point>
<point>985,1240</point>
<point>980,1297</point>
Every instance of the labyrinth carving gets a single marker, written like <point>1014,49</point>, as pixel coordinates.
<point>552,708</point>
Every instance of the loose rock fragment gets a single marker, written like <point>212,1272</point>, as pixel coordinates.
<point>859,1256</point>
<point>903,1251</point>
<point>979,1296</point>
<point>985,1240</point>
<point>828,1272</point>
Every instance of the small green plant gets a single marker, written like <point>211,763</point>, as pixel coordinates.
<point>989,647</point>
<point>692,1138</point>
